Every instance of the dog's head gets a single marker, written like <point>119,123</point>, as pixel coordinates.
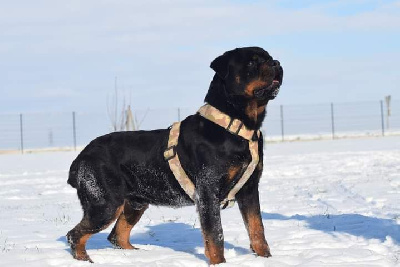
<point>249,72</point>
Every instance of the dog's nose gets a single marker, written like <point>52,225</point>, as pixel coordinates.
<point>276,63</point>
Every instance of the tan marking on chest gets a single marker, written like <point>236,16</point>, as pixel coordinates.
<point>232,172</point>
<point>251,110</point>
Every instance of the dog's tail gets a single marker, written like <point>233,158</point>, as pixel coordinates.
<point>73,172</point>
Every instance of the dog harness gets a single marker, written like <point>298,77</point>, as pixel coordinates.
<point>232,125</point>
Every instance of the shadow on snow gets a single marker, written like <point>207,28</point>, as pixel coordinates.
<point>353,224</point>
<point>184,238</point>
<point>177,236</point>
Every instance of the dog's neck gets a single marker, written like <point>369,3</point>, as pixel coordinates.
<point>248,111</point>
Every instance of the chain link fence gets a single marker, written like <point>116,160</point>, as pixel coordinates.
<point>73,130</point>
<point>335,120</point>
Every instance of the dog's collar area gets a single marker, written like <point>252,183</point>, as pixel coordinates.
<point>232,125</point>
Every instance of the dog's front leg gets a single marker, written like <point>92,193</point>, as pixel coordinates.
<point>249,205</point>
<point>210,218</point>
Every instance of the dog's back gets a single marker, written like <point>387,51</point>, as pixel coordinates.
<point>127,165</point>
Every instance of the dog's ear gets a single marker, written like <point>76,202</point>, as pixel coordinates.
<point>221,65</point>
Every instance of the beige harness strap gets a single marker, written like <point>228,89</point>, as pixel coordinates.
<point>232,125</point>
<point>229,201</point>
<point>174,163</point>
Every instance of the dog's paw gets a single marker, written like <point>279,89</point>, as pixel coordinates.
<point>113,239</point>
<point>261,250</point>
<point>215,261</point>
<point>124,246</point>
<point>215,258</point>
<point>83,257</point>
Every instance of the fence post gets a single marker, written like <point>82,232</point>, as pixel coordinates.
<point>179,114</point>
<point>74,128</point>
<point>333,121</point>
<point>21,133</point>
<point>382,119</point>
<point>282,126</point>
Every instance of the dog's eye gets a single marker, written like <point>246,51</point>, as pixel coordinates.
<point>250,64</point>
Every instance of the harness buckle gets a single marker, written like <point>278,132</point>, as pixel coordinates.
<point>231,122</point>
<point>227,203</point>
<point>170,153</point>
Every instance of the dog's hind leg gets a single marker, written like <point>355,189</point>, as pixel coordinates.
<point>120,234</point>
<point>90,225</point>
<point>100,206</point>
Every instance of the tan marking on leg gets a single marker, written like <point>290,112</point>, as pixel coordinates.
<point>116,215</point>
<point>256,233</point>
<point>120,234</point>
<point>80,246</point>
<point>212,251</point>
<point>80,249</point>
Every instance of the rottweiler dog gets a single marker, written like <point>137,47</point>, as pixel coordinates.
<point>118,175</point>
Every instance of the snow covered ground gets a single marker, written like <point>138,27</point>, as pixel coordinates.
<point>324,203</point>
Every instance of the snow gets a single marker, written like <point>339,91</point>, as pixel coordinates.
<point>324,203</point>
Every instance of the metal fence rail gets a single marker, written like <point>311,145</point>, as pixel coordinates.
<point>70,130</point>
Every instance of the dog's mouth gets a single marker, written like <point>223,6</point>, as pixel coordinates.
<point>271,90</point>
<point>268,92</point>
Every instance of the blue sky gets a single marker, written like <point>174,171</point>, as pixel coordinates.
<point>64,55</point>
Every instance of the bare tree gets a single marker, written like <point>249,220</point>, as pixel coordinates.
<point>116,113</point>
<point>129,122</point>
<point>121,115</point>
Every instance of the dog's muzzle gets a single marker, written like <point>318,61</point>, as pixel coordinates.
<point>269,92</point>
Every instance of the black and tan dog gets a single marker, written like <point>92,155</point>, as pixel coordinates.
<point>117,176</point>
